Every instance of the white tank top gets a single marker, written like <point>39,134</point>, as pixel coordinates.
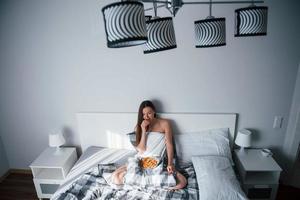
<point>155,145</point>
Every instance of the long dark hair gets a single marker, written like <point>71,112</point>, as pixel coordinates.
<point>140,119</point>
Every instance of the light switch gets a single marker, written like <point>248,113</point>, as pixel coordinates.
<point>277,122</point>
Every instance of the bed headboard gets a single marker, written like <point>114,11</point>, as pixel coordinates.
<point>109,129</point>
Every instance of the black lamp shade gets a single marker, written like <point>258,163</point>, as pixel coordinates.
<point>210,32</point>
<point>161,35</point>
<point>251,21</point>
<point>125,24</point>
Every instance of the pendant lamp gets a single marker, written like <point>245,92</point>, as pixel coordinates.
<point>125,24</point>
<point>161,35</point>
<point>210,32</point>
<point>251,21</point>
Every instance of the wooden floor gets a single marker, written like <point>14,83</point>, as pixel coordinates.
<point>17,186</point>
<point>20,187</point>
<point>288,193</point>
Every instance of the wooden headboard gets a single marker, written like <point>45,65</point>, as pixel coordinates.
<point>109,129</point>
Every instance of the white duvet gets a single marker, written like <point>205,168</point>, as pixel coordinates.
<point>91,158</point>
<point>216,179</point>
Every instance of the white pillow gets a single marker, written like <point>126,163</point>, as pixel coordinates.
<point>216,179</point>
<point>214,142</point>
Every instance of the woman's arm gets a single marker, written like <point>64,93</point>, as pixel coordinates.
<point>169,145</point>
<point>141,147</point>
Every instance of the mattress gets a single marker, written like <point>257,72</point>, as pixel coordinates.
<point>86,179</point>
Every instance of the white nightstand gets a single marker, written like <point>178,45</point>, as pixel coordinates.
<point>259,174</point>
<point>51,168</point>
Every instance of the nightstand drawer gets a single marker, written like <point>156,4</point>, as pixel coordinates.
<point>48,188</point>
<point>45,188</point>
<point>261,192</point>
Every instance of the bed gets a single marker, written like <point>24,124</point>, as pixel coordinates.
<point>203,144</point>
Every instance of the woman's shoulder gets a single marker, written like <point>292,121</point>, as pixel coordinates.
<point>164,122</point>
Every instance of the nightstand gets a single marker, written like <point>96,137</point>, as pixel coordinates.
<point>50,169</point>
<point>259,174</point>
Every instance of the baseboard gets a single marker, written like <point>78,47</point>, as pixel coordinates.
<point>20,171</point>
<point>15,171</point>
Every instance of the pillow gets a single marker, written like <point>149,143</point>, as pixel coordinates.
<point>216,179</point>
<point>214,142</point>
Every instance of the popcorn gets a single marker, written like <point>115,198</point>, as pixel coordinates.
<point>148,163</point>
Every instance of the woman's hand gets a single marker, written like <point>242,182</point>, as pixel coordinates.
<point>170,169</point>
<point>144,125</point>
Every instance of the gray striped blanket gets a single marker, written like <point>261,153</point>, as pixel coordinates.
<point>148,178</point>
<point>93,185</point>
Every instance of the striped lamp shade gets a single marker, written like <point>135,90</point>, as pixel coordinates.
<point>161,35</point>
<point>125,24</point>
<point>251,21</point>
<point>210,32</point>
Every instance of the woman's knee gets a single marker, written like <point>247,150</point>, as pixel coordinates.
<point>117,177</point>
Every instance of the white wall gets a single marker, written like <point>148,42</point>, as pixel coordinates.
<point>54,63</point>
<point>292,139</point>
<point>3,159</point>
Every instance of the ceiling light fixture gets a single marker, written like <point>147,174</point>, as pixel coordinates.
<point>126,24</point>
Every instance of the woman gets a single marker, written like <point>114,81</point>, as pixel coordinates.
<point>148,127</point>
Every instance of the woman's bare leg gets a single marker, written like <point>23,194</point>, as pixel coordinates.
<point>118,175</point>
<point>181,182</point>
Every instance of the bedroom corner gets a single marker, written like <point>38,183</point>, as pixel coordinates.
<point>4,167</point>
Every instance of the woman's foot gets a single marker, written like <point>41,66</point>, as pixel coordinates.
<point>181,182</point>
